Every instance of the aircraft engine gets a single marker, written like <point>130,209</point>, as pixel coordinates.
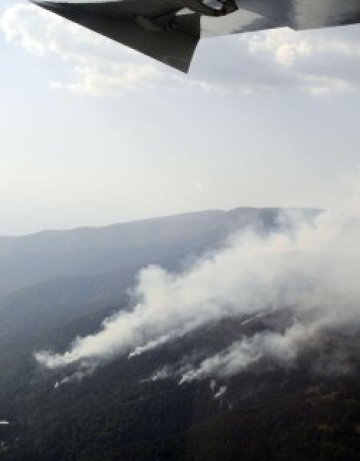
<point>211,7</point>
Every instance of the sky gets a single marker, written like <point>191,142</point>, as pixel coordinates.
<point>92,133</point>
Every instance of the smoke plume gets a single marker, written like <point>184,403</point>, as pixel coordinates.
<point>312,269</point>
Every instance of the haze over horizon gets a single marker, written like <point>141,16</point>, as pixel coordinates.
<point>93,133</point>
<point>106,225</point>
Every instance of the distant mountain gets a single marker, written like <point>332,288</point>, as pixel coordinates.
<point>49,255</point>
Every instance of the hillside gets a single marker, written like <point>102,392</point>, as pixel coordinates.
<point>56,275</point>
<point>45,256</point>
<point>141,408</point>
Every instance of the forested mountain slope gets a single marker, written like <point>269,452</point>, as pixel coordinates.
<point>140,407</point>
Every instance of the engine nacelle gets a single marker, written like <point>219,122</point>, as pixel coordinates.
<point>211,7</point>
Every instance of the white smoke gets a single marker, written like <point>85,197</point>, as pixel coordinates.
<point>241,354</point>
<point>314,270</point>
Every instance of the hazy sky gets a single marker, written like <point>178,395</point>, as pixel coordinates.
<point>92,133</point>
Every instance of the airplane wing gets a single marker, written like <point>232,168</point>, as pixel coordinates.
<point>169,30</point>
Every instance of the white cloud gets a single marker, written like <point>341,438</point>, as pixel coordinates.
<point>288,47</point>
<point>97,66</point>
<point>321,61</point>
<point>318,62</point>
<point>92,80</point>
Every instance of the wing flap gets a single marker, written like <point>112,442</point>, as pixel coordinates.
<point>237,22</point>
<point>151,27</point>
<point>306,14</point>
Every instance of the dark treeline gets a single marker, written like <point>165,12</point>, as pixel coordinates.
<point>267,413</point>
